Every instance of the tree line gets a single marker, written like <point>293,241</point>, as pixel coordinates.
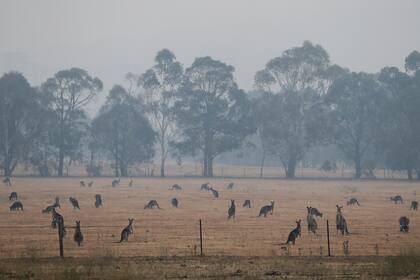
<point>301,101</point>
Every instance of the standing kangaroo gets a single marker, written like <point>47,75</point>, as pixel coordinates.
<point>78,236</point>
<point>130,184</point>
<point>353,201</point>
<point>396,199</point>
<point>312,224</point>
<point>230,186</point>
<point>13,196</point>
<point>127,231</point>
<point>115,183</point>
<point>267,209</point>
<point>174,202</point>
<point>232,209</point>
<point>414,205</point>
<point>295,233</point>
<point>98,200</point>
<point>404,224</point>
<point>214,192</point>
<point>90,184</point>
<point>74,202</point>
<point>82,184</point>
<point>341,223</point>
<point>247,204</point>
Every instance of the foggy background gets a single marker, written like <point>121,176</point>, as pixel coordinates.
<point>109,39</point>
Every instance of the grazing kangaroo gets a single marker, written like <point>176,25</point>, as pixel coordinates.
<point>130,184</point>
<point>152,204</point>
<point>98,200</point>
<point>13,196</point>
<point>232,209</point>
<point>127,231</point>
<point>49,208</point>
<point>115,182</point>
<point>214,192</point>
<point>230,186</point>
<point>205,187</point>
<point>341,223</point>
<point>312,224</point>
<point>397,199</point>
<point>247,203</point>
<point>82,184</point>
<point>57,221</point>
<point>267,209</point>
<point>295,233</point>
<point>414,205</point>
<point>17,205</point>
<point>404,224</point>
<point>90,184</point>
<point>7,181</point>
<point>315,212</point>
<point>175,187</point>
<point>78,236</point>
<point>74,202</point>
<point>174,202</point>
<point>353,201</point>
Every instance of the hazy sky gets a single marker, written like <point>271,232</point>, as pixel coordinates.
<point>111,38</point>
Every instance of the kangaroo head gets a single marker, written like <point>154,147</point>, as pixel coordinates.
<point>130,221</point>
<point>339,208</point>
<point>309,208</point>
<point>77,223</point>
<point>298,223</point>
<point>272,203</point>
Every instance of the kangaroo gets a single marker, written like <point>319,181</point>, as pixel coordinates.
<point>98,200</point>
<point>115,183</point>
<point>295,233</point>
<point>57,221</point>
<point>152,204</point>
<point>174,202</point>
<point>230,186</point>
<point>74,202</point>
<point>341,223</point>
<point>247,203</point>
<point>404,224</point>
<point>90,184</point>
<point>127,231</point>
<point>353,201</point>
<point>232,209</point>
<point>82,184</point>
<point>17,205</point>
<point>7,181</point>
<point>13,196</point>
<point>315,212</point>
<point>414,205</point>
<point>214,192</point>
<point>175,187</point>
<point>397,199</point>
<point>312,224</point>
<point>130,184</point>
<point>78,236</point>
<point>49,208</point>
<point>267,209</point>
<point>205,187</point>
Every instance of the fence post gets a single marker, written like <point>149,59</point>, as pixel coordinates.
<point>328,239</point>
<point>201,240</point>
<point>60,238</point>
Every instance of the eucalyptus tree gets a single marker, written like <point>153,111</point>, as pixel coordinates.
<point>356,100</point>
<point>213,115</point>
<point>122,131</point>
<point>160,84</point>
<point>295,116</point>
<point>68,92</point>
<point>21,116</point>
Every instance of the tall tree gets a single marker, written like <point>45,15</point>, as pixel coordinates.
<point>213,115</point>
<point>122,130</point>
<point>69,91</point>
<point>296,82</point>
<point>160,83</point>
<point>20,120</point>
<point>355,100</point>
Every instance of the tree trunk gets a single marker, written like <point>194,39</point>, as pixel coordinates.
<point>262,164</point>
<point>60,160</point>
<point>410,174</point>
<point>291,168</point>
<point>358,167</point>
<point>116,162</point>
<point>418,174</point>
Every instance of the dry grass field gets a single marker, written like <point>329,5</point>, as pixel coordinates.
<point>174,232</point>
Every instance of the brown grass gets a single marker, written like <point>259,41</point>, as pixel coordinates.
<point>174,232</point>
